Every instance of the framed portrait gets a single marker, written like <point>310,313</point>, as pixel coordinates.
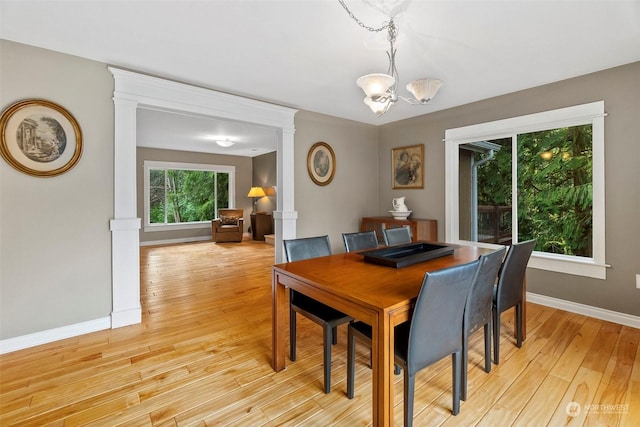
<point>321,163</point>
<point>40,138</point>
<point>407,167</point>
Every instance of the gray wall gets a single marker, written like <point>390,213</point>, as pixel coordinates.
<point>620,89</point>
<point>55,243</point>
<point>335,208</point>
<point>55,250</point>
<point>264,175</point>
<point>243,183</point>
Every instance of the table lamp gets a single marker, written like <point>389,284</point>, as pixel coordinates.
<point>255,192</point>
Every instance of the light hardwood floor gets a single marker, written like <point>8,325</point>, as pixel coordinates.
<point>202,357</point>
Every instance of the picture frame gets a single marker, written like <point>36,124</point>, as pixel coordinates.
<point>321,163</point>
<point>407,167</point>
<point>40,138</point>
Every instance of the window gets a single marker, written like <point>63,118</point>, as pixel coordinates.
<point>538,176</point>
<point>185,195</point>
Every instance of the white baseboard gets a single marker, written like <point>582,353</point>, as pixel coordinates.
<point>44,337</point>
<point>245,236</point>
<point>126,317</point>
<point>174,241</point>
<point>586,310</point>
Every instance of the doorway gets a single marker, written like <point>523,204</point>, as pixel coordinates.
<point>133,91</point>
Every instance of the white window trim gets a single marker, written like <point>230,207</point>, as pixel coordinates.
<point>151,164</point>
<point>592,113</point>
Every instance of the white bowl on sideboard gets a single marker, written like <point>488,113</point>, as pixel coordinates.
<point>400,214</point>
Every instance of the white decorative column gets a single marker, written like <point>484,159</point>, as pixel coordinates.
<point>125,225</point>
<point>285,216</point>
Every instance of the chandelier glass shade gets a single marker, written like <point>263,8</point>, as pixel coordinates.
<point>423,90</point>
<point>378,107</point>
<point>376,86</point>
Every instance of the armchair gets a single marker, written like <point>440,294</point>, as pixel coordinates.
<point>229,226</point>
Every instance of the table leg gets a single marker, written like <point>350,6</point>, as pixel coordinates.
<point>278,323</point>
<point>382,347</point>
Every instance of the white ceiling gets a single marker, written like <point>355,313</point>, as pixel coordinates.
<point>307,54</point>
<point>186,132</point>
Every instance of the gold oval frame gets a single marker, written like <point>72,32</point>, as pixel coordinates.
<point>8,143</point>
<point>326,177</point>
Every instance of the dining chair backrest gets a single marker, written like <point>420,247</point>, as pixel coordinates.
<point>396,236</point>
<point>477,310</point>
<point>436,324</point>
<point>359,241</point>
<point>306,247</point>
<point>509,290</point>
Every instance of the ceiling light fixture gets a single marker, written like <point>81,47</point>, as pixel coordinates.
<point>380,89</point>
<point>225,143</point>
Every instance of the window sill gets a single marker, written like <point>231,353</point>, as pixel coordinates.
<point>577,266</point>
<point>566,264</point>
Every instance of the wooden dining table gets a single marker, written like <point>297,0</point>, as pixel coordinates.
<point>380,296</point>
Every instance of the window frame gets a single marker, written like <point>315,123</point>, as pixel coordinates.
<point>591,113</point>
<point>148,165</point>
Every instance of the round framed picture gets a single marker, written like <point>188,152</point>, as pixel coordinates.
<point>40,138</point>
<point>321,163</point>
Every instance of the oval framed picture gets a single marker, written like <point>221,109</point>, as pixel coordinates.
<point>40,138</point>
<point>321,163</point>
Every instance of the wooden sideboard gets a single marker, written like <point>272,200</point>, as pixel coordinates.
<point>421,229</point>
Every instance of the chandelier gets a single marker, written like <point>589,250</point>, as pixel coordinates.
<point>380,89</point>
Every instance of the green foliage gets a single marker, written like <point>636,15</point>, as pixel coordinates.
<point>190,195</point>
<point>222,190</point>
<point>156,196</point>
<point>494,176</point>
<point>555,193</point>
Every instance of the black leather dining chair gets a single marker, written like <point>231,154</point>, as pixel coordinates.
<point>325,316</point>
<point>509,292</point>
<point>477,310</point>
<point>396,236</point>
<point>434,332</point>
<point>360,241</point>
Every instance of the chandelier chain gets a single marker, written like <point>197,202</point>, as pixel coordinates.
<point>362,24</point>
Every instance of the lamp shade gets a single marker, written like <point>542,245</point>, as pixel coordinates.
<point>256,192</point>
<point>424,89</point>
<point>378,107</point>
<point>375,85</point>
